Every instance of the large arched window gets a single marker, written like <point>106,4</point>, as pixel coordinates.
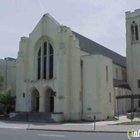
<point>45,61</point>
<point>134,31</point>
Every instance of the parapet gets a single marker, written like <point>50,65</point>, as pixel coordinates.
<point>23,38</point>
<point>130,14</point>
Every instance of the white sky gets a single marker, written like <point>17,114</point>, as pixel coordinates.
<point>103,21</point>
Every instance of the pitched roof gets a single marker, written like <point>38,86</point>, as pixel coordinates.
<point>92,47</point>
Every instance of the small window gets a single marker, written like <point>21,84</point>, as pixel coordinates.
<point>109,97</point>
<point>138,83</point>
<point>116,73</point>
<point>139,103</point>
<point>137,32</point>
<point>124,77</point>
<point>134,31</point>
<point>23,95</point>
<point>106,73</point>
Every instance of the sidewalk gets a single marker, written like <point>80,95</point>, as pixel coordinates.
<point>85,128</point>
<point>104,126</point>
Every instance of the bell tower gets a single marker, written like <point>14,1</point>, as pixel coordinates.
<point>133,49</point>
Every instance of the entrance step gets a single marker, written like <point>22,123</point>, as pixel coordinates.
<point>42,117</point>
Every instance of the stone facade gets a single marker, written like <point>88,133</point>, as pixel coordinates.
<point>83,82</point>
<point>132,51</point>
<point>84,76</point>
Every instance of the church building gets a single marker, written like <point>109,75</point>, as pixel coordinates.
<point>70,77</point>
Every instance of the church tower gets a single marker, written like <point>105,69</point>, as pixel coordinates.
<point>133,49</point>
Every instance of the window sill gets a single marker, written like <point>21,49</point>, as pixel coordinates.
<point>40,80</point>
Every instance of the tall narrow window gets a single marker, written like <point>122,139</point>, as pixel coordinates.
<point>50,61</point>
<point>139,103</point>
<point>116,73</point>
<point>136,32</point>
<point>138,83</point>
<point>132,33</point>
<point>45,61</point>
<point>124,77</point>
<point>39,64</point>
<point>109,97</point>
<point>106,73</point>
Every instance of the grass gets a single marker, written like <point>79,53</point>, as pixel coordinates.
<point>90,121</point>
<point>129,123</point>
<point>111,119</point>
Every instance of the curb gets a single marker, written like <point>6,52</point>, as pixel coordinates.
<point>92,131</point>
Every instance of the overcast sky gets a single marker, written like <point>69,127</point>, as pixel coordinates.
<point>103,21</point>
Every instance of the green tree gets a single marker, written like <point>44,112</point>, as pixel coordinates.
<point>8,102</point>
<point>1,82</point>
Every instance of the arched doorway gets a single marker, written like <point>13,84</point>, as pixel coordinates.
<point>49,99</point>
<point>34,100</point>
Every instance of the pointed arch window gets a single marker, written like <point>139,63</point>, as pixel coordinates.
<point>45,61</point>
<point>39,64</point>
<point>50,61</point>
<point>134,31</point>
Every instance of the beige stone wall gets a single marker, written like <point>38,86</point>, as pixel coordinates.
<point>133,52</point>
<point>95,87</point>
<point>66,80</point>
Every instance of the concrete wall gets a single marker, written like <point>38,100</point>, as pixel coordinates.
<point>8,72</point>
<point>95,87</point>
<point>71,94</point>
<point>66,81</point>
<point>133,52</point>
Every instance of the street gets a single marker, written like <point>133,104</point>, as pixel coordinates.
<point>16,134</point>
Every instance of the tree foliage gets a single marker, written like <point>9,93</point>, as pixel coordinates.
<point>7,102</point>
<point>1,82</point>
<point>7,99</point>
